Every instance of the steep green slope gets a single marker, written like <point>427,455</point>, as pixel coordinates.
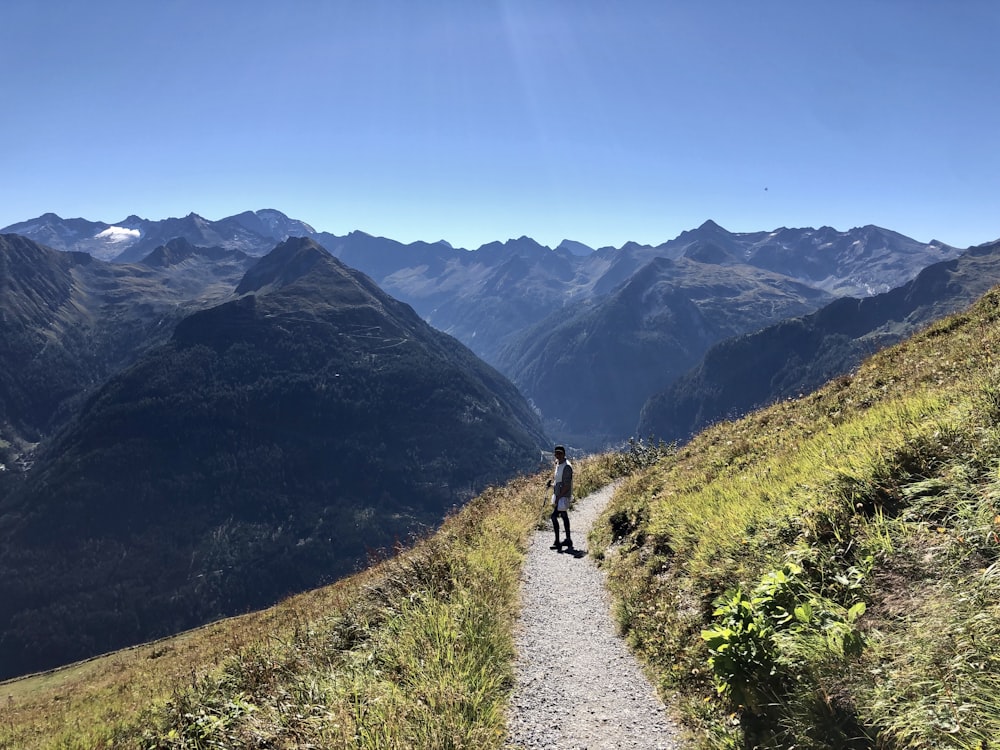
<point>413,652</point>
<point>823,573</point>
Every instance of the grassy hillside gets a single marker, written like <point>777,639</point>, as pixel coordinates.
<point>821,574</point>
<point>824,572</point>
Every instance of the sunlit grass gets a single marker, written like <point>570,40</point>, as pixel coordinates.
<point>881,485</point>
<point>86,705</point>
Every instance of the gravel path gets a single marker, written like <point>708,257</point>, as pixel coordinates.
<point>577,684</point>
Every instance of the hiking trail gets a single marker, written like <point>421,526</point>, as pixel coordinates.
<point>577,686</point>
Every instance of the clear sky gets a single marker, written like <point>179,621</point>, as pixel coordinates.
<point>482,120</point>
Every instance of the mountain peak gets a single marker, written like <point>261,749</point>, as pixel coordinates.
<point>297,245</point>
<point>271,212</point>
<point>291,260</point>
<point>522,245</point>
<point>170,254</point>
<point>708,229</point>
<point>524,242</point>
<point>271,223</point>
<point>575,248</point>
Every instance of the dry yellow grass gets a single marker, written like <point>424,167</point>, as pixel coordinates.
<point>101,695</point>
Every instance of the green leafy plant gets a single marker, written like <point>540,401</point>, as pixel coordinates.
<point>751,663</point>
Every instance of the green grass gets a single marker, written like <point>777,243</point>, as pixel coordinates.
<point>823,573</point>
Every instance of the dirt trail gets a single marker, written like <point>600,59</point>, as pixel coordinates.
<point>577,684</point>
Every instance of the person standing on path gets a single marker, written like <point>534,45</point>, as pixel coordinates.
<point>562,496</point>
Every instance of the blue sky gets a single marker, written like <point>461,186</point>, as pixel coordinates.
<point>475,121</point>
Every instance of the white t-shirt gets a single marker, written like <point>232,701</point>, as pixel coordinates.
<point>563,502</point>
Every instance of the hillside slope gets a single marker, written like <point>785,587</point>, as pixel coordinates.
<point>799,354</point>
<point>414,651</point>
<point>265,449</point>
<point>826,569</point>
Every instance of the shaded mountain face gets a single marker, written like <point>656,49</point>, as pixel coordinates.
<point>264,449</point>
<point>590,369</point>
<point>508,301</point>
<point>798,355</point>
<point>68,321</point>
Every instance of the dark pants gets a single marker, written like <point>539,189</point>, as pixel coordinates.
<point>555,522</point>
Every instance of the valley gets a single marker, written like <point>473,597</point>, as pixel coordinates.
<point>245,420</point>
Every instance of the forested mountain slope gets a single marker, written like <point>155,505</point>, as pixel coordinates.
<point>266,448</point>
<point>68,321</point>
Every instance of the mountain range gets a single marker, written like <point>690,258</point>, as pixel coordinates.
<point>198,418</point>
<point>798,355</point>
<point>132,239</point>
<point>614,324</point>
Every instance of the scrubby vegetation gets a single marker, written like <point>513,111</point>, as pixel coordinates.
<point>823,573</point>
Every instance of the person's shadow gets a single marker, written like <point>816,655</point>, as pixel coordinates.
<point>577,553</point>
